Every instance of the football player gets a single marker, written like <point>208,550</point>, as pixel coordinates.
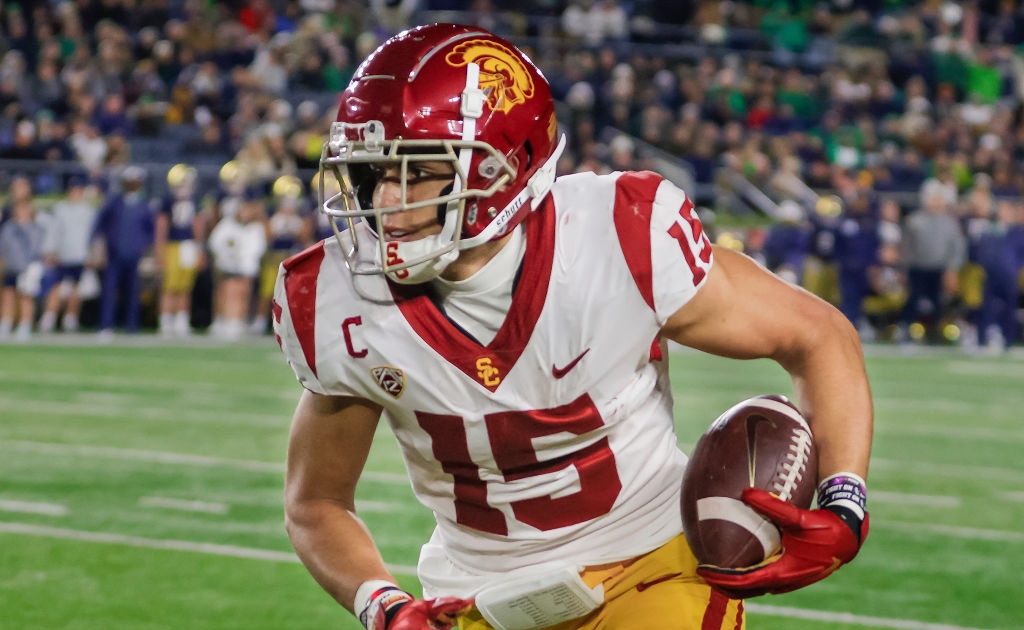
<point>180,236</point>
<point>512,330</point>
<point>237,244</point>
<point>289,230</point>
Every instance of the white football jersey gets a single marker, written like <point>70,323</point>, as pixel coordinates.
<point>554,442</point>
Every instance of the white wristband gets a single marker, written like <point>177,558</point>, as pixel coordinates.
<point>373,596</point>
<point>846,490</point>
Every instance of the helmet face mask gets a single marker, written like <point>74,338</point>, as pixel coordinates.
<point>357,166</point>
<point>446,95</point>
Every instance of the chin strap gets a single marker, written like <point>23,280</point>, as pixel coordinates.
<point>544,178</point>
<point>536,189</point>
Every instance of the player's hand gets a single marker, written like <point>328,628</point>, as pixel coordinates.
<point>391,608</point>
<point>814,544</point>
<point>429,614</point>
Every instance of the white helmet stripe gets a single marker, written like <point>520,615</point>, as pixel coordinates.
<point>472,107</point>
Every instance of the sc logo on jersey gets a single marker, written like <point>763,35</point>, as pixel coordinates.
<point>487,373</point>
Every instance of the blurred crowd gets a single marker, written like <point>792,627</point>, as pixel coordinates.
<point>174,262</point>
<point>884,135</point>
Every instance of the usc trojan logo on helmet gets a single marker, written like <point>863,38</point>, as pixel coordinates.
<point>503,76</point>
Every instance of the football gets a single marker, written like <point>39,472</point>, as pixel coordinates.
<point>764,442</point>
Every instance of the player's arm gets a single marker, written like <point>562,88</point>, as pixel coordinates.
<point>745,312</point>
<point>330,440</point>
<point>329,443</point>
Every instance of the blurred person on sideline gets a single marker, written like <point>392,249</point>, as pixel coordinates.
<point>821,273</point>
<point>1001,256</point>
<point>890,222</point>
<point>887,288</point>
<point>21,251</point>
<point>787,242</point>
<point>979,215</point>
<point>856,251</point>
<point>66,249</point>
<point>179,240</point>
<point>289,230</point>
<point>223,203</point>
<point>236,245</point>
<point>127,223</point>
<point>512,329</point>
<point>233,182</point>
<point>934,250</point>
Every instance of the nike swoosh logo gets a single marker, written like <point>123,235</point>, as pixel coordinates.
<point>643,586</point>
<point>752,423</point>
<point>559,372</point>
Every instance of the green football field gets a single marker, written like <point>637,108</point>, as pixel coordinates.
<point>140,488</point>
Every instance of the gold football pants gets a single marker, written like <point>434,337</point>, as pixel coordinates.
<point>658,590</point>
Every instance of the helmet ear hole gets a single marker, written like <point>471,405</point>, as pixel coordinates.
<point>528,148</point>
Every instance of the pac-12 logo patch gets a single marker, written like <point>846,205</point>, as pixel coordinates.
<point>390,379</point>
<point>503,76</point>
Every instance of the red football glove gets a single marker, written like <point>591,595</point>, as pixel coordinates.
<point>814,544</point>
<point>429,614</point>
<point>390,608</point>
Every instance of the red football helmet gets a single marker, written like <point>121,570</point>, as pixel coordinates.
<point>443,92</point>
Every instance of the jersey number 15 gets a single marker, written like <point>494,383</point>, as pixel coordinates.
<point>511,436</point>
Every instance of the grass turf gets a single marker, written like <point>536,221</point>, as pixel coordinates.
<point>109,451</point>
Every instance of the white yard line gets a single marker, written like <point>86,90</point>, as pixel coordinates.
<point>77,380</point>
<point>122,406</point>
<point>1002,475</point>
<point>925,500</point>
<point>849,618</point>
<point>967,533</point>
<point>281,556</point>
<point>140,455</point>
<point>1016,497</point>
<point>378,506</point>
<point>990,434</point>
<point>207,507</point>
<point>33,507</point>
<point>1000,369</point>
<point>939,404</point>
<point>212,549</point>
<point>163,457</point>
